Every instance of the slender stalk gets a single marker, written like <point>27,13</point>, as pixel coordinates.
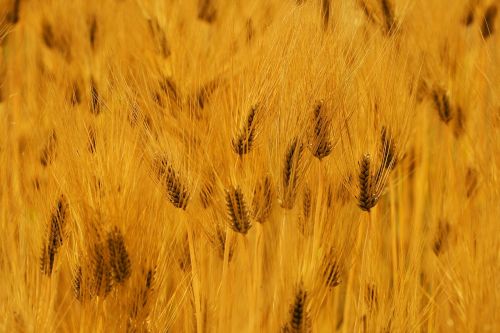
<point>362,272</point>
<point>317,215</point>
<point>402,217</point>
<point>350,279</point>
<point>195,281</point>
<point>225,272</point>
<point>394,236</point>
<point>257,269</point>
<point>347,301</point>
<point>250,283</point>
<point>335,307</point>
<point>281,254</point>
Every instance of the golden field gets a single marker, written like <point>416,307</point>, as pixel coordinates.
<point>250,166</point>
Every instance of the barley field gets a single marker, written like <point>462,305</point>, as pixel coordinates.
<point>250,166</point>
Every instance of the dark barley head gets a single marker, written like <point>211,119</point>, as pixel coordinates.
<point>488,26</point>
<point>388,11</point>
<point>365,198</point>
<point>177,191</point>
<point>237,209</point>
<point>299,321</point>
<point>262,202</point>
<point>442,104</point>
<point>118,256</point>
<point>55,236</point>
<point>332,271</point>
<point>291,173</point>
<point>321,145</point>
<point>101,278</point>
<point>243,142</point>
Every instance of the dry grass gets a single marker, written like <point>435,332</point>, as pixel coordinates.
<point>249,166</point>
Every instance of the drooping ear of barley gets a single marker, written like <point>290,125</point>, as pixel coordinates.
<point>95,104</point>
<point>200,98</point>
<point>49,150</point>
<point>332,270</point>
<point>325,12</point>
<point>207,192</point>
<point>388,151</point>
<point>13,14</point>
<point>118,256</point>
<point>170,89</point>
<point>299,320</point>
<point>55,236</point>
<point>304,220</point>
<point>471,181</point>
<point>371,297</point>
<point>387,156</point>
<point>262,202</point>
<point>365,198</point>
<point>321,145</point>
<point>92,144</point>
<point>47,34</point>
<point>159,37</point>
<point>177,192</point>
<point>488,25</point>
<point>101,273</point>
<point>441,237</point>
<point>243,142</point>
<point>372,179</point>
<point>75,95</point>
<point>207,11</point>
<point>291,173</point>
<point>442,104</point>
<point>388,11</point>
<point>78,284</point>
<point>237,209</point>
<point>92,31</point>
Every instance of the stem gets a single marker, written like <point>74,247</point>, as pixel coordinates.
<point>250,284</point>
<point>194,269</point>
<point>317,215</point>
<point>281,254</point>
<point>401,225</point>
<point>335,319</point>
<point>347,302</point>
<point>225,269</point>
<point>394,236</point>
<point>366,241</point>
<point>257,275</point>
<point>282,240</point>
